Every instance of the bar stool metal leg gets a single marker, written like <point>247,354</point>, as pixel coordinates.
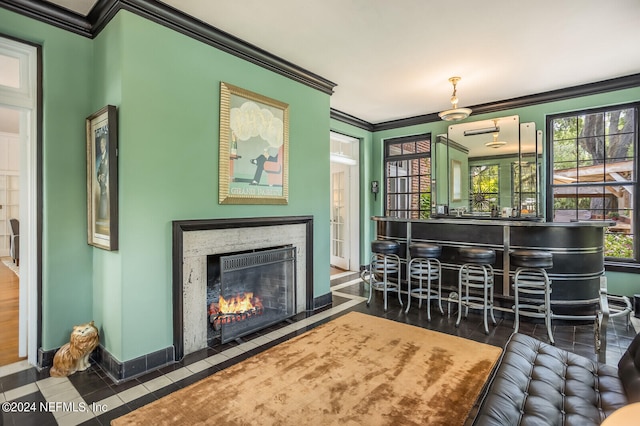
<point>533,281</point>
<point>384,265</point>
<point>476,272</point>
<point>476,276</point>
<point>428,270</point>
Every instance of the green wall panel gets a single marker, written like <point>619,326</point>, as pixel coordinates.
<point>167,89</point>
<point>66,257</point>
<point>107,266</point>
<point>169,127</point>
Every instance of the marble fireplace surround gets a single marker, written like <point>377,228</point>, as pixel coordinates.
<point>194,240</point>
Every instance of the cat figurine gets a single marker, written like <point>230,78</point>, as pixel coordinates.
<point>74,356</point>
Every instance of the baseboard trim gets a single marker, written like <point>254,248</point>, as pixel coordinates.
<point>120,371</point>
<point>322,301</point>
<point>117,370</point>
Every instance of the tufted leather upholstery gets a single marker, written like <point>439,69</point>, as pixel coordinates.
<point>629,370</point>
<point>539,384</point>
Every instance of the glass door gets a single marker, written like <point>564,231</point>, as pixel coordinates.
<point>339,216</point>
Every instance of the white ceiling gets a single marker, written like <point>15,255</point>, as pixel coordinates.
<point>392,59</point>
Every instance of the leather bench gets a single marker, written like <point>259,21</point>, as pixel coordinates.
<point>538,384</point>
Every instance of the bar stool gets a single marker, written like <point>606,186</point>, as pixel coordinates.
<point>424,266</point>
<point>384,262</point>
<point>531,279</point>
<point>476,272</point>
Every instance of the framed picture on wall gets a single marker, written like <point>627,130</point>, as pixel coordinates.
<point>254,148</point>
<point>102,178</point>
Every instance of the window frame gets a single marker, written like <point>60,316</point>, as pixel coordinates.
<point>497,194</point>
<point>388,158</point>
<point>611,264</point>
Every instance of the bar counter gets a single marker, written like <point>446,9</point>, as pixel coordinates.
<point>577,248</point>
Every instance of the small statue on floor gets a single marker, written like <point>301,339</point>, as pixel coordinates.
<point>74,356</point>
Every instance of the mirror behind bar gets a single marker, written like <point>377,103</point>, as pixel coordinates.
<point>492,169</point>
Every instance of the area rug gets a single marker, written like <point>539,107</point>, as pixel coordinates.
<point>355,370</point>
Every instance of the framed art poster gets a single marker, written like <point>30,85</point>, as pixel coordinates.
<point>254,148</point>
<point>102,178</point>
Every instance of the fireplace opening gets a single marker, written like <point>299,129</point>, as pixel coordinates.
<point>248,291</point>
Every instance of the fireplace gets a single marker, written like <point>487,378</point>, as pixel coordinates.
<point>195,241</point>
<point>249,291</point>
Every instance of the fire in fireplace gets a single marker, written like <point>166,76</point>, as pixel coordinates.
<point>237,308</point>
<point>249,291</point>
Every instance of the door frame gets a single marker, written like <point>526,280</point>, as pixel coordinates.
<point>353,201</point>
<point>28,100</point>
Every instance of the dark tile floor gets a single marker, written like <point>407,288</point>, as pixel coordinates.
<point>92,398</point>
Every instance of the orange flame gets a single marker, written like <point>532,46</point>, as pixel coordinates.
<point>239,304</point>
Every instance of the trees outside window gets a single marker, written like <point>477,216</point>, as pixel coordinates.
<point>593,173</point>
<point>484,184</point>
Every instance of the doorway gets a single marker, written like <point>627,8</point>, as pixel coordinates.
<point>19,188</point>
<point>345,206</point>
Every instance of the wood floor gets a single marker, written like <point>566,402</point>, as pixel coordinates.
<point>9,284</point>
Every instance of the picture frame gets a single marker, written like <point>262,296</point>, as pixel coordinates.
<point>254,148</point>
<point>102,178</point>
<point>456,180</point>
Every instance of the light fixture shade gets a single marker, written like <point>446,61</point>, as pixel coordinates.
<point>455,113</point>
<point>495,144</point>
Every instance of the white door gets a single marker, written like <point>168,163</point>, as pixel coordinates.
<point>340,248</point>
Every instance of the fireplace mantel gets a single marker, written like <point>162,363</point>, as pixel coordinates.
<point>194,240</point>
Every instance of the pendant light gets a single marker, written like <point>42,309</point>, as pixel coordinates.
<point>495,143</point>
<point>455,114</point>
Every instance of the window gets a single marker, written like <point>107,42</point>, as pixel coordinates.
<point>408,177</point>
<point>523,186</point>
<point>484,184</point>
<point>594,174</point>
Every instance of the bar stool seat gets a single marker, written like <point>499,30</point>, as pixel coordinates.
<point>478,256</point>
<point>532,258</point>
<point>385,247</point>
<point>424,266</point>
<point>384,262</point>
<point>425,250</point>
<point>532,282</point>
<point>476,272</point>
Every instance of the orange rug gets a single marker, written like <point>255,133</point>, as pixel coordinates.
<point>355,370</point>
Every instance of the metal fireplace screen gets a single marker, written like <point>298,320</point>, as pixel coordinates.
<point>257,289</point>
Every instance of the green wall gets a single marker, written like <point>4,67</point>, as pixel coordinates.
<point>108,291</point>
<point>66,258</point>
<point>169,127</point>
<point>167,90</point>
